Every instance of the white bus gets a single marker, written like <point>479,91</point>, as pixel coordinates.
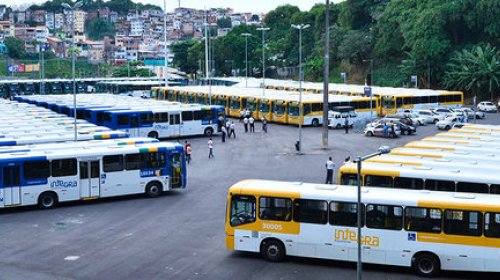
<point>46,178</point>
<point>60,137</point>
<point>429,231</point>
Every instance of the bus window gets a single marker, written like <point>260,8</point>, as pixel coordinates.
<point>275,209</point>
<point>408,183</point>
<point>457,98</point>
<point>433,99</point>
<point>64,167</point>
<point>307,109</point>
<point>174,119</point>
<point>243,102</point>
<point>293,110</point>
<point>112,163</point>
<point>146,119</point>
<point>442,99</point>
<point>495,189</point>
<point>492,225</point>
<point>440,185</point>
<point>133,161</point>
<point>407,100</point>
<point>399,102</point>
<point>424,99</point>
<point>310,211</point>
<point>345,214</point>
<point>123,120</point>
<point>349,179</point>
<point>378,181</point>
<point>242,210</point>
<point>384,217</point>
<point>37,169</point>
<point>317,107</point>
<point>416,100</point>
<point>154,160</point>
<point>472,187</point>
<point>187,116</point>
<point>423,219</point>
<point>388,102</point>
<point>460,222</point>
<point>161,117</point>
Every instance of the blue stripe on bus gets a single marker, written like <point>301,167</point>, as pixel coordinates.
<point>15,151</point>
<point>8,143</point>
<point>21,159</point>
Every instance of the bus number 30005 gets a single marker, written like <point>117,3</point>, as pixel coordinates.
<point>272,226</point>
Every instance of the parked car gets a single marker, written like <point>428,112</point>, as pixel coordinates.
<point>486,106</point>
<point>443,111</point>
<point>429,116</point>
<point>406,129</point>
<point>417,120</point>
<point>471,113</point>
<point>378,130</point>
<point>448,123</point>
<point>399,118</point>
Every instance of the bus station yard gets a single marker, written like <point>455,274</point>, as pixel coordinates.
<point>180,235</point>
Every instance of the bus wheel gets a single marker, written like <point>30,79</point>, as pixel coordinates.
<point>426,264</point>
<point>447,127</point>
<point>338,125</point>
<point>47,200</point>
<point>315,122</point>
<point>153,134</point>
<point>209,131</point>
<point>273,250</point>
<point>153,189</point>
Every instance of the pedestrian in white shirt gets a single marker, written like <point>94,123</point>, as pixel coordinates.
<point>245,123</point>
<point>251,121</point>
<point>210,148</point>
<point>330,166</point>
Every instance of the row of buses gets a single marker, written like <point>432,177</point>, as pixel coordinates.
<point>389,100</point>
<point>432,205</point>
<point>41,164</point>
<point>136,116</point>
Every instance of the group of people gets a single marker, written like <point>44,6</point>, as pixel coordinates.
<point>227,129</point>
<point>389,130</point>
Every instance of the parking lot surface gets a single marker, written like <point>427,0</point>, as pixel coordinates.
<point>180,235</point>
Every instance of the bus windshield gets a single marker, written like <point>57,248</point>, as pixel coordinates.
<point>264,107</point>
<point>252,104</point>
<point>293,110</point>
<point>234,104</point>
<point>242,210</point>
<point>279,108</point>
<point>388,102</point>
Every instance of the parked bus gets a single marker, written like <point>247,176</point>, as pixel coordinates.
<point>428,231</point>
<point>46,179</point>
<point>167,122</point>
<point>60,137</point>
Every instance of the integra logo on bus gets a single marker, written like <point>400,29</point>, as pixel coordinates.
<point>60,184</point>
<point>346,235</point>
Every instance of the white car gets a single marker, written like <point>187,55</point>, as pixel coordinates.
<point>416,118</point>
<point>486,106</point>
<point>381,131</point>
<point>443,111</point>
<point>429,116</point>
<point>471,113</point>
<point>448,123</point>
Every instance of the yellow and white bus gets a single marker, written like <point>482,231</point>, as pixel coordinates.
<point>429,231</point>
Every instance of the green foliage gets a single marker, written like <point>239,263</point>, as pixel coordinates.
<point>15,47</point>
<point>181,56</point>
<point>224,22</point>
<point>97,28</point>
<point>354,47</point>
<point>476,69</point>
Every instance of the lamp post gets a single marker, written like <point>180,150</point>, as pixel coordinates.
<point>246,35</point>
<point>359,160</point>
<point>263,29</point>
<point>165,40</point>
<point>326,75</point>
<point>72,9</point>
<point>208,66</point>
<point>370,85</point>
<point>300,27</point>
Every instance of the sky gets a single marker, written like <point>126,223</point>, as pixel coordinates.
<point>254,6</point>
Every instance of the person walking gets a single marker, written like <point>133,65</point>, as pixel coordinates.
<point>264,124</point>
<point>251,121</point>
<point>242,114</point>
<point>346,125</point>
<point>188,153</point>
<point>232,131</point>
<point>224,131</point>
<point>210,148</point>
<point>330,165</point>
<point>245,123</point>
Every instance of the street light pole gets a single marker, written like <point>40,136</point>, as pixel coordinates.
<point>371,83</point>
<point>246,35</point>
<point>165,40</point>
<point>72,9</point>
<point>326,77</point>
<point>359,160</point>
<point>263,29</point>
<point>300,27</point>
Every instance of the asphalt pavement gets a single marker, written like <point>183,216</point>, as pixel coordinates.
<point>180,235</point>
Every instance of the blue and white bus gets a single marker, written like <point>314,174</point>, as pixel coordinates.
<point>60,137</point>
<point>46,179</point>
<point>166,122</point>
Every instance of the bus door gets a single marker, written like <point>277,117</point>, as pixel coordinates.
<point>175,124</point>
<point>90,184</point>
<point>11,185</point>
<point>134,126</point>
<point>175,169</point>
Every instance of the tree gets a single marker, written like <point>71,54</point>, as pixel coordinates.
<point>476,70</point>
<point>355,46</point>
<point>15,47</point>
<point>224,22</point>
<point>181,56</point>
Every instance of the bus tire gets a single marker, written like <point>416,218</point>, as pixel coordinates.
<point>47,200</point>
<point>315,123</point>
<point>447,127</point>
<point>426,264</point>
<point>153,189</point>
<point>153,134</point>
<point>338,125</point>
<point>208,131</point>
<point>273,250</point>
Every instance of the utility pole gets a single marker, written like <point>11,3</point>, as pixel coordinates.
<point>246,35</point>
<point>326,76</point>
